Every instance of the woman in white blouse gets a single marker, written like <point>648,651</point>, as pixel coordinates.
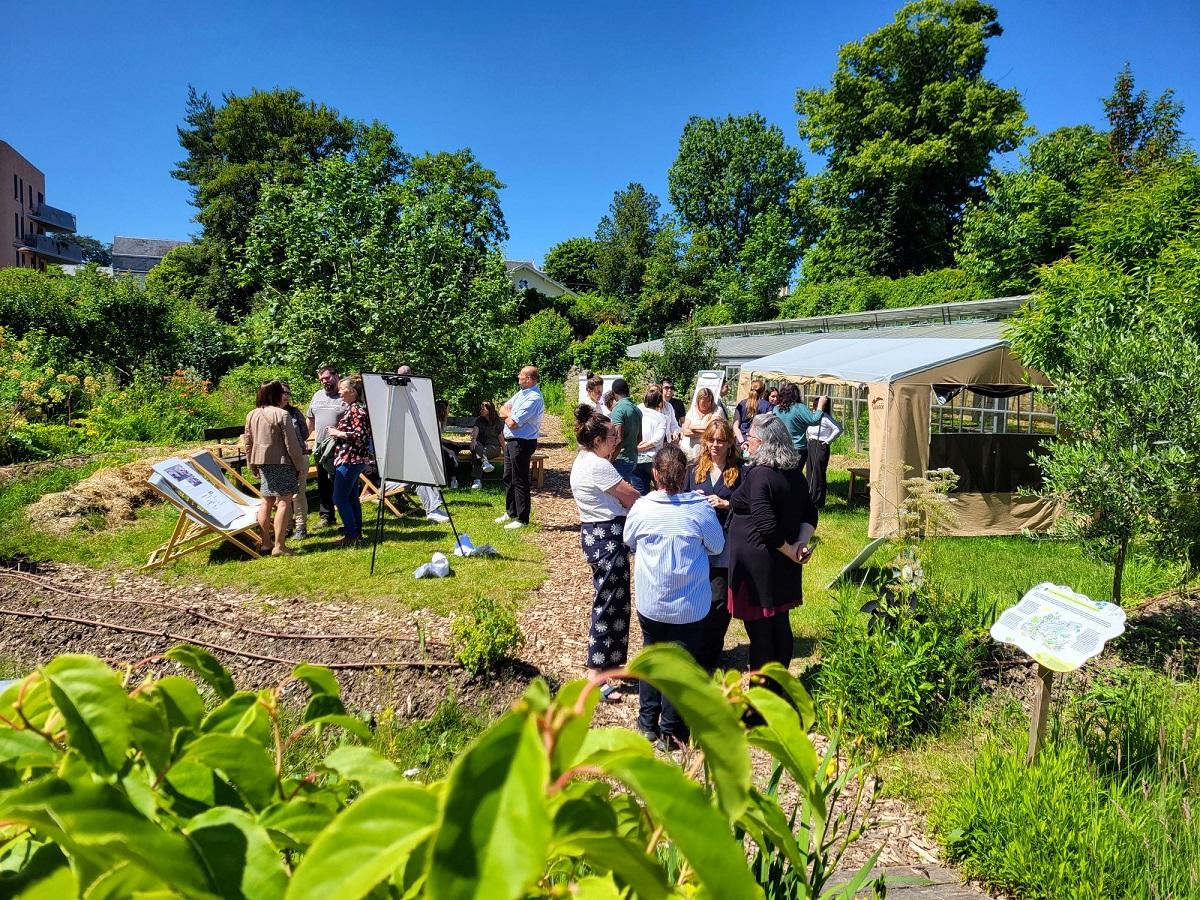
<point>699,417</point>
<point>819,437</point>
<point>656,427</point>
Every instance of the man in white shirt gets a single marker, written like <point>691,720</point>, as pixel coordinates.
<point>323,411</point>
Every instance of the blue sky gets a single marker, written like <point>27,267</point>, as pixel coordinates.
<point>568,102</point>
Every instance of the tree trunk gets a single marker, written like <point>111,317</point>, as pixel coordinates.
<point>1119,568</point>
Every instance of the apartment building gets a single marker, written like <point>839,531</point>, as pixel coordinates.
<point>30,229</point>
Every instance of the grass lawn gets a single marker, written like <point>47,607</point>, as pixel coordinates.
<point>318,571</point>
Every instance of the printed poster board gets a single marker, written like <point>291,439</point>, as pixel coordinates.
<point>1058,627</point>
<point>198,492</point>
<point>404,428</point>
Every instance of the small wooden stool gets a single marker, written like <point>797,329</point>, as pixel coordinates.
<point>537,470</point>
<point>857,474</point>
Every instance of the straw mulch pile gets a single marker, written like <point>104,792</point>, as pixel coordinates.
<point>113,493</point>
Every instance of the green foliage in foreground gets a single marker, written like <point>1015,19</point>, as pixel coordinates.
<point>1103,813</point>
<point>485,634</point>
<point>115,791</point>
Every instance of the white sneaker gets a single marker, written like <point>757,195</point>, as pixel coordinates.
<point>454,484</point>
<point>501,519</point>
<point>514,525</point>
<point>487,466</point>
<point>477,485</point>
<point>440,517</point>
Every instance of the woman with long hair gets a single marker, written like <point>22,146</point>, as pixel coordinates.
<point>772,524</point>
<point>351,454</point>
<point>603,498</point>
<point>275,455</point>
<point>487,440</point>
<point>796,417</point>
<point>698,418</point>
<point>715,474</point>
<point>746,410</point>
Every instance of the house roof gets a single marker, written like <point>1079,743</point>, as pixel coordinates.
<point>154,248</point>
<point>515,265</point>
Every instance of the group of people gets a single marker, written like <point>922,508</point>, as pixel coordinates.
<point>718,533</point>
<point>338,421</point>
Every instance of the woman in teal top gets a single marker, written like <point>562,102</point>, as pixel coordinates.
<point>796,415</point>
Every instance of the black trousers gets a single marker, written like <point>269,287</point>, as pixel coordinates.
<point>815,469</point>
<point>770,640</point>
<point>656,715</point>
<point>325,493</point>
<point>517,454</point>
<point>716,623</point>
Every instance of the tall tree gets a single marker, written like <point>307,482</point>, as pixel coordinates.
<point>94,251</point>
<point>624,241</point>
<point>908,126</point>
<point>1142,134</point>
<point>365,270</point>
<point>235,148</point>
<point>573,263</point>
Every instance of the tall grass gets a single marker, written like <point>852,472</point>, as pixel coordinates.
<point>1105,812</point>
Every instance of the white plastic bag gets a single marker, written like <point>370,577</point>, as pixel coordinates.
<point>438,567</point>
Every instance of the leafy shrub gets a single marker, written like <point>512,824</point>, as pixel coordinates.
<point>866,293</point>
<point>685,352</point>
<point>485,634</point>
<point>154,411</point>
<point>109,792</point>
<point>604,348</point>
<point>899,670</point>
<point>1103,813</point>
<point>544,340</point>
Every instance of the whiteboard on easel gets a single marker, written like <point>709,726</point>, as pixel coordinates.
<point>404,428</point>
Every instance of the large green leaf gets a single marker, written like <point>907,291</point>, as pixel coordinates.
<point>149,728</point>
<point>682,808</point>
<point>492,837</point>
<point>92,701</point>
<point>238,852</point>
<point>20,749</point>
<point>319,679</point>
<point>593,887</point>
<point>369,840</point>
<point>205,665</point>
<point>244,762</point>
<point>782,736</point>
<point>571,735</point>
<point>295,824</point>
<point>98,829</point>
<point>181,701</point>
<point>124,881</point>
<point>794,689</point>
<point>36,704</point>
<point>611,740</point>
<point>765,818</point>
<point>363,765</point>
<point>241,714</point>
<point>709,716</point>
<point>625,859</point>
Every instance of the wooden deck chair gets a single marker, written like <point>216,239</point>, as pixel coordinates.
<point>225,476</point>
<point>195,530</point>
<point>396,490</point>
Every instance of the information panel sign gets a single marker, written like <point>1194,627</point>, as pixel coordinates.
<point>1058,627</point>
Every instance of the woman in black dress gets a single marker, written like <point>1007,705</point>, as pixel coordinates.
<point>772,523</point>
<point>716,473</point>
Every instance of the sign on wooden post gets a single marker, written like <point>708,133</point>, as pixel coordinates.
<point>1061,630</point>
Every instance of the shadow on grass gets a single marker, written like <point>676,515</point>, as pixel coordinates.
<point>1166,639</point>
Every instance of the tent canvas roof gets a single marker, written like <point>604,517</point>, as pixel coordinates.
<point>870,361</point>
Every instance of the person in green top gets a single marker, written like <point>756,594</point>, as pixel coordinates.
<point>628,419</point>
<point>797,417</point>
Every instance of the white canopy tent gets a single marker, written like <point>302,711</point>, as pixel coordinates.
<point>898,375</point>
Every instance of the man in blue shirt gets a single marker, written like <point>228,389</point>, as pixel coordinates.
<point>522,416</point>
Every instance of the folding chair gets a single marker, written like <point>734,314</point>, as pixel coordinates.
<point>196,530</point>
<point>370,493</point>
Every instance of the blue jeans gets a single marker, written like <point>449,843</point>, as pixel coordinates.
<point>345,497</point>
<point>624,469</point>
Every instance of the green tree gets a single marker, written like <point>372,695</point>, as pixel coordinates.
<point>237,147</point>
<point>1142,134</point>
<point>604,348</point>
<point>733,183</point>
<point>1027,217</point>
<point>573,263</point>
<point>365,270</point>
<point>1117,329</point>
<point>908,127</point>
<point>685,352</point>
<point>625,239</point>
<point>94,251</point>
<point>542,340</point>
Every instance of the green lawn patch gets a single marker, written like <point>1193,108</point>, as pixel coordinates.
<point>318,571</point>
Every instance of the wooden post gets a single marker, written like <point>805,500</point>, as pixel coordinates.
<point>854,413</point>
<point>1041,712</point>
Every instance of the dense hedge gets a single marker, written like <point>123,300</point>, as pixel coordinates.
<point>870,293</point>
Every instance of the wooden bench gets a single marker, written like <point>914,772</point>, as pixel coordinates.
<point>461,425</point>
<point>229,446</point>
<point>858,473</point>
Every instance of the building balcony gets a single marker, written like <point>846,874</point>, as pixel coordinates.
<point>50,249</point>
<point>54,219</point>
